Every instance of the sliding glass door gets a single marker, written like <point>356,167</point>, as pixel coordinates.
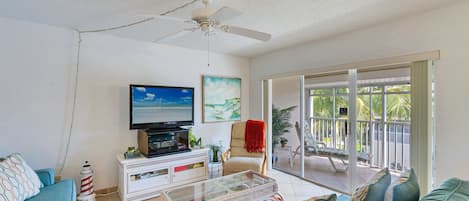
<point>355,123</point>
<point>286,135</point>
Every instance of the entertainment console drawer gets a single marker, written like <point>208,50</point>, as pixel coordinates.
<point>189,171</point>
<point>144,178</point>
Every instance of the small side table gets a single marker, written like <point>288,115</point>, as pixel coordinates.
<point>287,149</point>
<point>215,169</point>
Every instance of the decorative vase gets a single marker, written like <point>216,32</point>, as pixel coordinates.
<point>215,156</point>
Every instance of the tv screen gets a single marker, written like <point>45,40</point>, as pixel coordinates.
<point>160,106</point>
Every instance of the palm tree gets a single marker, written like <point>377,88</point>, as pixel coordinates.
<point>397,105</point>
<point>280,122</point>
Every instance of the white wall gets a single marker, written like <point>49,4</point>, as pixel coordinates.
<point>43,67</point>
<point>108,66</point>
<point>446,29</point>
<point>36,63</point>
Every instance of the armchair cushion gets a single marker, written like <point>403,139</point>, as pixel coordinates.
<point>240,163</point>
<point>238,141</point>
<point>46,176</point>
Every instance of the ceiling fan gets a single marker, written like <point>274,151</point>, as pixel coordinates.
<point>209,21</point>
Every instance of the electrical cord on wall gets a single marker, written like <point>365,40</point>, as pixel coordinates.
<point>74,103</point>
<point>61,165</point>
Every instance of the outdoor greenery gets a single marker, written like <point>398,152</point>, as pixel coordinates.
<point>397,99</point>
<point>280,122</point>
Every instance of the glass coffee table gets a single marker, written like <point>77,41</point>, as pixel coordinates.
<point>243,186</point>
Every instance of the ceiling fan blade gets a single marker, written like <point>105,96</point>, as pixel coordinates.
<point>172,19</point>
<point>225,13</point>
<point>174,35</point>
<point>246,32</point>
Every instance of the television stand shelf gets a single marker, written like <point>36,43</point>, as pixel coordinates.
<point>144,178</point>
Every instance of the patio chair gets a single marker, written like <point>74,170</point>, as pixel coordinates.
<point>317,148</point>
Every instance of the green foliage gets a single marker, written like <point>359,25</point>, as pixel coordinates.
<point>397,107</point>
<point>280,122</point>
<point>215,149</point>
<point>193,141</point>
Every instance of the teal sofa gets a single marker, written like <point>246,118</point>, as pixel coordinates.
<point>63,190</point>
<point>451,190</point>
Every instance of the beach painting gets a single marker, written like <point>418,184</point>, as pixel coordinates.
<point>156,105</point>
<point>221,99</point>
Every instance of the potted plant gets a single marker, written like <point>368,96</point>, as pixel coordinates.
<point>215,153</point>
<point>283,141</point>
<point>193,141</point>
<point>280,123</point>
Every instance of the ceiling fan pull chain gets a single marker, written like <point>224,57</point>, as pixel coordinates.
<point>208,49</point>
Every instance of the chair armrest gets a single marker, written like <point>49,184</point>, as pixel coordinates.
<point>46,176</point>
<point>225,155</point>
<point>322,144</point>
<point>314,148</point>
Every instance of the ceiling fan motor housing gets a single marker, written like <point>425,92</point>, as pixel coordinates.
<point>202,14</point>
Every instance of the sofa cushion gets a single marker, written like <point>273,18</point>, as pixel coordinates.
<point>374,189</point>
<point>17,180</point>
<point>239,164</point>
<point>451,190</point>
<point>61,191</point>
<point>405,188</point>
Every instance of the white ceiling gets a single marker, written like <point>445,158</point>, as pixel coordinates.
<point>290,22</point>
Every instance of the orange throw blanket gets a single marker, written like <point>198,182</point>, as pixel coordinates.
<point>254,136</point>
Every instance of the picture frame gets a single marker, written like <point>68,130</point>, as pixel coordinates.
<point>221,99</point>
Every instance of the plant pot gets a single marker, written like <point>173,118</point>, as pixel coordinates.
<point>283,145</point>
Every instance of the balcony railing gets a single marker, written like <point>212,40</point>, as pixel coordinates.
<point>386,144</point>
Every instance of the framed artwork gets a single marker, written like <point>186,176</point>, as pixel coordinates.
<point>221,99</point>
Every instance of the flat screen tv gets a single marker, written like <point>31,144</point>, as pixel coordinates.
<point>161,107</point>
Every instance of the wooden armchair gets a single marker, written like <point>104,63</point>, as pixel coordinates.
<point>237,158</point>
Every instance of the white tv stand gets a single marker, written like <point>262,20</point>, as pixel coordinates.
<point>144,178</point>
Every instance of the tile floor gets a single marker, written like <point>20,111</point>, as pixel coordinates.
<point>292,188</point>
<point>319,169</point>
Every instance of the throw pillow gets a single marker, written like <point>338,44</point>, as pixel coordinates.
<point>374,189</point>
<point>405,188</point>
<point>331,197</point>
<point>18,180</point>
